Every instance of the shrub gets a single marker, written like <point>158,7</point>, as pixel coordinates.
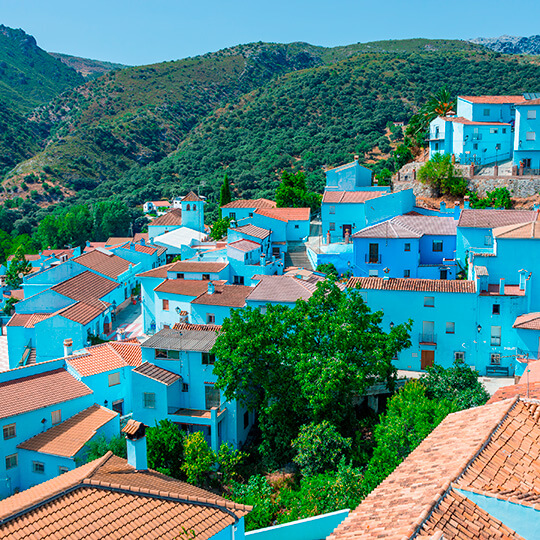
<point>199,458</point>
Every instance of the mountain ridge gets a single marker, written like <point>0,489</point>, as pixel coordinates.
<point>511,44</point>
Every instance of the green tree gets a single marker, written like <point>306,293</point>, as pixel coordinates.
<point>9,304</point>
<point>458,383</point>
<point>402,155</point>
<point>111,218</point>
<point>99,446</point>
<point>410,417</point>
<point>220,227</point>
<point>329,269</point>
<point>48,233</point>
<point>224,193</point>
<point>442,176</point>
<point>498,198</point>
<point>17,267</point>
<point>165,445</point>
<point>319,448</point>
<point>293,193</point>
<point>305,364</point>
<point>199,458</point>
<point>228,460</point>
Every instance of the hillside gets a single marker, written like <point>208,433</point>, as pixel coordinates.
<point>85,66</point>
<point>511,44</point>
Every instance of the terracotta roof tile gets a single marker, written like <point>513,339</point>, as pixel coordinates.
<point>245,245</point>
<point>173,218</point>
<point>286,214</point>
<point>160,203</point>
<point>140,236</point>
<point>131,427</point>
<point>353,197</point>
<point>28,320</point>
<point>108,264</point>
<point>184,287</point>
<point>149,250</point>
<point>198,266</point>
<point>251,203</point>
<point>282,289</point>
<point>514,390</point>
<point>252,230</point>
<point>17,293</point>
<point>225,295</point>
<point>467,122</point>
<point>83,312</point>
<point>105,357</point>
<point>410,227</point>
<point>85,285</point>
<point>509,290</point>
<point>118,240</point>
<point>490,219</point>
<point>197,327</point>
<point>191,197</point>
<point>494,99</point>
<point>409,284</point>
<point>159,272</point>
<point>69,437</point>
<point>530,230</point>
<point>528,321</point>
<point>38,391</point>
<point>157,374</point>
<point>129,350</point>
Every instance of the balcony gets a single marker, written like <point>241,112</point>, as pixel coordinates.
<point>196,416</point>
<point>373,260</point>
<point>476,136</point>
<point>427,338</point>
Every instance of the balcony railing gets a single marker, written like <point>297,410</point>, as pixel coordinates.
<point>495,341</point>
<point>373,260</point>
<point>427,338</point>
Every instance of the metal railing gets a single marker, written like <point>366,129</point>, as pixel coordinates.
<point>427,337</point>
<point>372,260</point>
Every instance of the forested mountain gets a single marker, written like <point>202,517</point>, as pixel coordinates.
<point>88,68</point>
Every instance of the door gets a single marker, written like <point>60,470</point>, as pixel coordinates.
<point>444,273</point>
<point>373,253</point>
<point>347,229</point>
<point>118,406</point>
<point>428,332</point>
<point>427,359</point>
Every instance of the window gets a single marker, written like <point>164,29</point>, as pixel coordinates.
<point>9,431</point>
<point>165,305</point>
<point>495,336</point>
<point>495,359</point>
<point>114,378</point>
<point>297,226</point>
<point>179,276</point>
<point>206,277</point>
<point>149,400</point>
<point>504,130</point>
<point>250,214</point>
<point>332,209</point>
<point>12,461</point>
<point>486,112</point>
<point>208,359</point>
<point>373,273</point>
<point>496,309</point>
<point>56,417</point>
<point>429,301</point>
<point>332,226</point>
<point>62,470</point>
<point>531,114</point>
<point>531,136</point>
<point>459,355</point>
<point>407,246</point>
<point>437,245</point>
<point>436,146</point>
<point>167,354</point>
<point>238,280</point>
<point>406,273</point>
<point>246,420</point>
<point>188,207</point>
<point>118,406</point>
<point>493,130</point>
<point>475,146</point>
<point>211,396</point>
<point>232,215</point>
<point>450,328</point>
<point>38,467</point>
<point>185,387</point>
<point>488,240</point>
<point>210,318</point>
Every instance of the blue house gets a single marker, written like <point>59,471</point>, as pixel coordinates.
<point>176,381</point>
<point>286,224</point>
<point>245,208</point>
<point>527,135</point>
<point>349,177</point>
<point>216,303</point>
<point>410,246</point>
<point>165,223</point>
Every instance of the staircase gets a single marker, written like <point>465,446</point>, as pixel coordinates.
<point>297,256</point>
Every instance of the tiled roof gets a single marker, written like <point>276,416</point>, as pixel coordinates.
<point>17,293</point>
<point>528,102</point>
<point>107,498</point>
<point>69,437</point>
<point>198,266</point>
<point>38,391</point>
<point>410,227</point>
<point>105,357</point>
<point>160,203</point>
<point>184,287</point>
<point>490,219</point>
<point>509,290</point>
<point>252,230</point>
<point>83,312</point>
<point>157,374</point>
<point>173,218</point>
<point>403,502</point>
<point>198,327</point>
<point>192,339</point>
<point>191,197</point>
<point>140,236</point>
<point>493,99</point>
<point>528,321</point>
<point>28,320</point>
<point>108,264</point>
<point>343,167</point>
<point>85,285</point>
<point>524,230</point>
<point>131,427</point>
<point>344,197</point>
<point>159,272</point>
<point>117,240</point>
<point>251,203</point>
<point>286,214</point>
<point>225,295</point>
<point>409,284</point>
<point>532,390</point>
<point>245,245</point>
<point>467,122</point>
<point>149,250</point>
<point>282,289</point>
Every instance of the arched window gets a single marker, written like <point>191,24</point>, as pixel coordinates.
<point>194,207</point>
<point>188,208</point>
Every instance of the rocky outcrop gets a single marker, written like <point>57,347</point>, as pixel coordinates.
<point>511,44</point>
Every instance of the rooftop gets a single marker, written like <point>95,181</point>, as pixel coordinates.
<point>467,122</point>
<point>338,197</point>
<point>105,357</point>
<point>192,339</point>
<point>413,284</point>
<point>192,197</point>
<point>159,272</point>
<point>286,214</point>
<point>85,285</point>
<point>509,290</point>
<point>34,392</point>
<point>245,245</point>
<point>225,295</point>
<point>184,287</point>
<point>251,203</point>
<point>531,390</point>
<point>104,262</point>
<point>198,266</point>
<point>490,219</point>
<point>283,289</point>
<point>108,498</point>
<point>252,230</point>
<point>156,373</point>
<point>69,437</point>
<point>414,226</point>
<point>28,320</point>
<point>493,99</point>
<point>83,312</point>
<point>173,218</point>
<point>530,230</point>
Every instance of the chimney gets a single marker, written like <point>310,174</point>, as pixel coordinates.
<point>375,181</point>
<point>443,206</point>
<point>522,279</point>
<point>356,157</point>
<point>211,288</point>
<point>68,347</point>
<point>501,286</point>
<point>263,259</point>
<point>457,210</point>
<point>466,202</point>
<point>136,444</point>
<point>132,246</point>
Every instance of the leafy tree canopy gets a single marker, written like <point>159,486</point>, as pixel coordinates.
<point>498,198</point>
<point>292,192</point>
<point>17,268</point>
<point>224,193</point>
<point>220,227</point>
<point>442,176</point>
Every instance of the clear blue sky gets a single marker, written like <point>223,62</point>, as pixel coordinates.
<point>145,31</point>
